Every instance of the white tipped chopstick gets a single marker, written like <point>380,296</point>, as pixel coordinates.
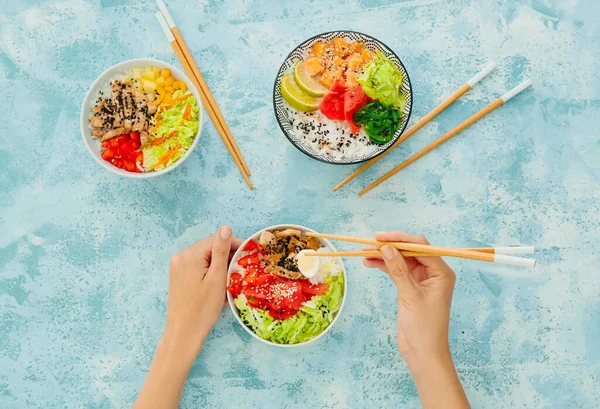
<point>451,133</point>
<point>423,121</point>
<point>210,105</point>
<point>420,250</point>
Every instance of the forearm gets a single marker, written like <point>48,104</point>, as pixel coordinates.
<point>438,384</point>
<point>166,378</point>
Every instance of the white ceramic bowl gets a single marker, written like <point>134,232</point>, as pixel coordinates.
<point>255,237</point>
<point>102,84</point>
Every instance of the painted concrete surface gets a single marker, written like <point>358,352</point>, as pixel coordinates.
<point>84,254</point>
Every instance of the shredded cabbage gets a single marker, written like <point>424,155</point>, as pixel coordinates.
<point>173,148</point>
<point>382,81</point>
<point>312,319</point>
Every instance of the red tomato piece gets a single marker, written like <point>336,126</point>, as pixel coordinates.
<point>135,135</point>
<point>236,278</point>
<point>140,157</point>
<point>314,289</point>
<point>114,143</point>
<point>354,99</point>
<point>129,166</point>
<point>251,276</point>
<point>235,290</point>
<point>248,260</point>
<point>108,154</point>
<point>250,246</point>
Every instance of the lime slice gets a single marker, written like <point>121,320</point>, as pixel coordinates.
<point>308,84</point>
<point>297,98</point>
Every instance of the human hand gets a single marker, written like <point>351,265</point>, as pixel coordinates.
<point>425,286</point>
<point>197,281</point>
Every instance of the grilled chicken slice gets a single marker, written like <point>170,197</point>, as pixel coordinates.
<point>283,272</point>
<point>267,239</point>
<point>112,133</point>
<point>288,233</point>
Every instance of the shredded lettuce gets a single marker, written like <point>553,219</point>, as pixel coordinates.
<point>312,319</point>
<point>382,81</point>
<point>174,147</point>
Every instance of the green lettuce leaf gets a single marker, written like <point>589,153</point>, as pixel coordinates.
<point>382,81</point>
<point>172,120</point>
<point>312,319</point>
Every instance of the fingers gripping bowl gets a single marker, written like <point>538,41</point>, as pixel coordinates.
<point>279,295</point>
<point>141,118</point>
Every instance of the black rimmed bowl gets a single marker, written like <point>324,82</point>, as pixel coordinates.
<point>283,112</point>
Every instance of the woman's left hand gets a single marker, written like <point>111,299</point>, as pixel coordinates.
<point>197,281</point>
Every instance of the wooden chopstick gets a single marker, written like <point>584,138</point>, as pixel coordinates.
<point>432,250</point>
<point>451,133</point>
<point>421,122</point>
<point>207,99</point>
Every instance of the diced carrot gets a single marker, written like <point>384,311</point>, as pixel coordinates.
<point>313,67</point>
<point>340,47</point>
<point>164,138</point>
<point>319,49</point>
<point>187,112</point>
<point>163,160</point>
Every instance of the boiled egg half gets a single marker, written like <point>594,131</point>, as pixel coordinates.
<point>308,266</point>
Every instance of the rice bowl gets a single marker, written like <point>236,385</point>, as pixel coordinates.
<point>259,276</point>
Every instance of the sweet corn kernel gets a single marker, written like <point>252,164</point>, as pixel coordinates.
<point>169,81</point>
<point>160,80</point>
<point>170,90</point>
<point>160,90</point>
<point>165,73</point>
<point>183,86</point>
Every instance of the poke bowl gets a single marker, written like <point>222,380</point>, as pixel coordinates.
<point>278,294</point>
<point>342,97</point>
<point>141,118</point>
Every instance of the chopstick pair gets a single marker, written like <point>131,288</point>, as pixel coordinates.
<point>192,71</point>
<point>447,136</point>
<point>489,254</point>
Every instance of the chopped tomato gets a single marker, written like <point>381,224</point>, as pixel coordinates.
<point>135,135</point>
<point>354,99</point>
<point>129,166</point>
<point>314,289</point>
<point>250,246</point>
<point>235,285</point>
<point>108,154</point>
<point>250,259</point>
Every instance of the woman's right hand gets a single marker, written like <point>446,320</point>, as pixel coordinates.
<point>425,286</point>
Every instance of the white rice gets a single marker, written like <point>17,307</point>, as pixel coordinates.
<point>328,137</point>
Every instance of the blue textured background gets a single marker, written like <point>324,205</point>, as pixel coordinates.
<point>84,254</point>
